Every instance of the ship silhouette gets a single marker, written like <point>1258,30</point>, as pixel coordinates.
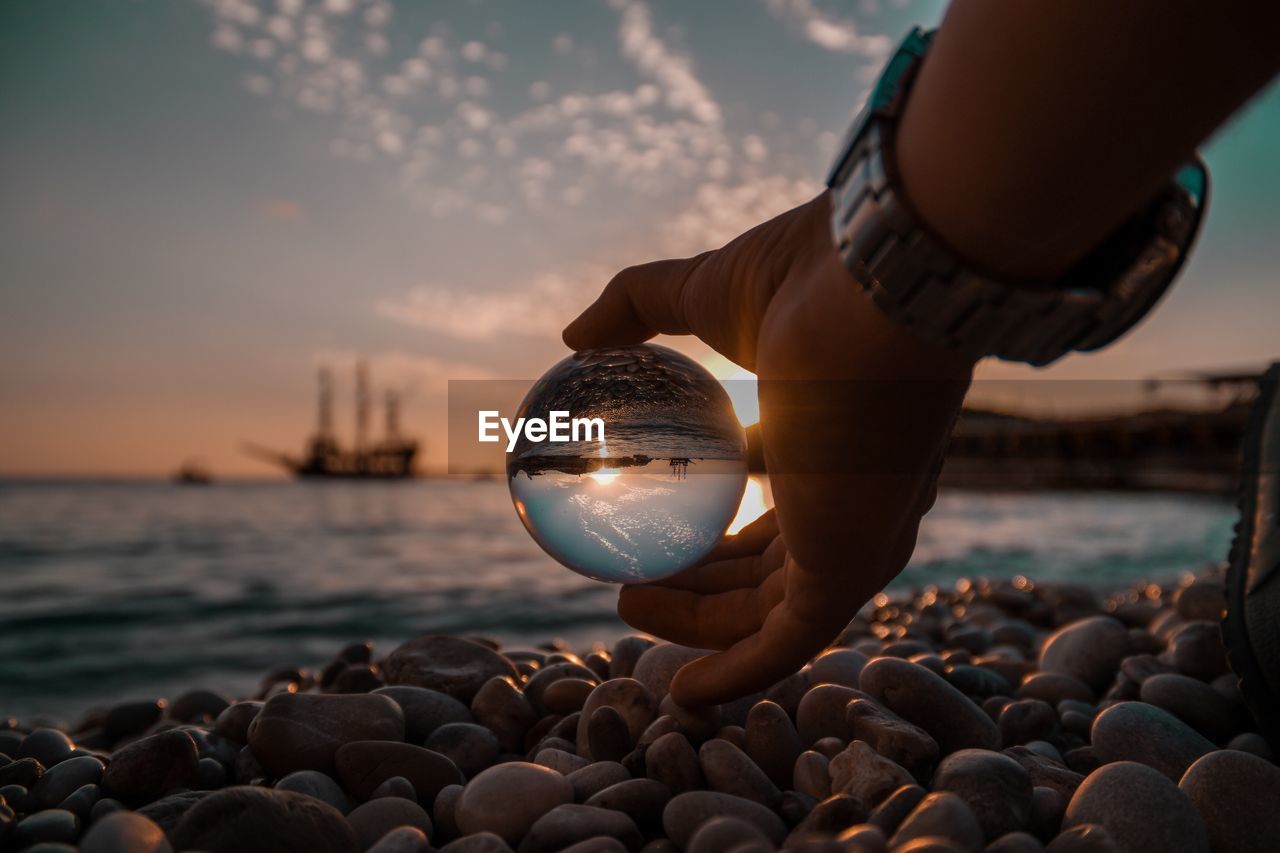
<point>390,458</point>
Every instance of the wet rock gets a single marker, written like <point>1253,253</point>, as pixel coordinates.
<point>729,770</point>
<point>1136,731</point>
<point>469,746</point>
<point>313,783</point>
<point>296,731</point>
<point>402,839</point>
<point>1192,701</point>
<point>364,765</point>
<point>940,815</point>
<point>594,778</point>
<point>569,824</point>
<point>507,798</point>
<point>659,664</point>
<point>642,799</point>
<point>811,775</point>
<point>995,787</point>
<point>608,737</point>
<point>376,818</point>
<point>501,708</point>
<point>921,696</point>
<point>64,778</point>
<point>861,772</point>
<point>152,767</point>
<point>125,832</point>
<point>48,746</point>
<point>671,760</point>
<point>1141,809</point>
<point>904,743</point>
<point>48,826</point>
<point>233,723</point>
<point>632,699</point>
<point>1235,794</point>
<point>261,820</point>
<point>1198,651</point>
<point>451,665</point>
<point>687,812</point>
<point>1089,649</point>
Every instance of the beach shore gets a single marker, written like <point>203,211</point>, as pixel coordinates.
<point>999,715</point>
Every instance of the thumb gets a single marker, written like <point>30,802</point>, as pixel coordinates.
<point>639,302</point>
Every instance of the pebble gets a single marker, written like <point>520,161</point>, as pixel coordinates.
<point>508,798</point>
<point>451,665</point>
<point>469,746</point>
<point>687,812</point>
<point>1046,772</point>
<point>893,737</point>
<point>425,710</point>
<point>125,832</point>
<point>1026,720</point>
<point>1089,649</point>
<point>365,764</point>
<point>594,778</point>
<point>1192,701</point>
<point>1141,809</point>
<point>642,799</point>
<point>659,664</point>
<point>626,652</point>
<point>1136,731</point>
<point>249,820</point>
<point>837,666</point>
<point>1236,795</point>
<point>697,724</point>
<point>828,818</point>
<point>50,825</point>
<point>560,760</point>
<point>80,802</point>
<point>480,842</point>
<point>570,824</point>
<point>888,816</point>
<point>233,723</point>
<point>313,783</point>
<point>197,705</point>
<point>1015,842</point>
<point>771,740</point>
<point>921,696</point>
<point>374,819</point>
<point>152,767</point>
<point>635,701</point>
<point>1198,651</point>
<point>130,719</point>
<point>940,815</point>
<point>48,746</point>
<point>995,787</point>
<point>64,778</point>
<point>725,833</point>
<point>812,774</point>
<point>25,772</point>
<point>821,713</point>
<point>861,772</point>
<point>1086,838</point>
<point>103,807</point>
<point>541,681</point>
<point>672,761</point>
<point>1202,599</point>
<point>608,738</point>
<point>167,811</point>
<point>1054,687</point>
<point>500,707</point>
<point>729,770</point>
<point>402,839</point>
<point>567,695</point>
<point>297,731</point>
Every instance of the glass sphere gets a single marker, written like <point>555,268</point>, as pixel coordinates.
<point>657,491</point>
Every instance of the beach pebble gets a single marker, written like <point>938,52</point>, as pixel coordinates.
<point>402,839</point>
<point>893,737</point>
<point>125,832</point>
<point>771,740</point>
<point>861,772</point>
<point>313,783</point>
<point>995,787</point>
<point>25,772</point>
<point>396,786</point>
<point>196,705</point>
<point>1085,838</point>
<point>80,802</point>
<point>659,664</point>
<point>1136,731</point>
<point>129,719</point>
<point>687,812</point>
<point>249,819</point>
<point>506,799</point>
<point>1054,687</point>
<point>500,707</point>
<point>569,824</point>
<point>1141,809</point>
<point>48,746</point>
<point>1045,771</point>
<point>821,713</point>
<point>888,816</point>
<point>543,678</point>
<point>626,652</point>
<point>1236,795</point>
<point>167,811</point>
<point>837,666</point>
<point>1138,668</point>
<point>296,731</point>
<point>1015,842</point>
<point>672,761</point>
<point>560,760</point>
<point>827,819</point>
<point>425,710</point>
<point>940,815</point>
<point>608,738</point>
<point>48,826</point>
<point>61,780</point>
<point>726,833</point>
<point>642,799</point>
<point>594,778</point>
<point>1026,720</point>
<point>451,665</point>
<point>1192,701</point>
<point>364,765</point>
<point>233,723</point>
<point>1198,651</point>
<point>729,770</point>
<point>1047,808</point>
<point>1089,649</point>
<point>1254,744</point>
<point>480,842</point>
<point>697,724</point>
<point>567,695</point>
<point>376,818</point>
<point>862,838</point>
<point>469,746</point>
<point>634,701</point>
<point>105,806</point>
<point>149,768</point>
<point>812,775</point>
<point>921,696</point>
<point>1204,599</point>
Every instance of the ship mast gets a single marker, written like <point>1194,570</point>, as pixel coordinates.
<point>324,414</point>
<point>393,416</point>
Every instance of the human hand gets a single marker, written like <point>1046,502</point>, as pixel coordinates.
<point>854,415</point>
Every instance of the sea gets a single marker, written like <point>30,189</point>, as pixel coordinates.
<point>119,590</point>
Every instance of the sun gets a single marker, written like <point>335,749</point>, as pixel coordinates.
<point>605,476</point>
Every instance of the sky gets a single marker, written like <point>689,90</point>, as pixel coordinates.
<point>205,200</point>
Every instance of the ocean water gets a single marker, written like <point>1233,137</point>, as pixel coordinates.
<point>118,590</point>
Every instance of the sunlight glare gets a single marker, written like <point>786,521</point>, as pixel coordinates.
<point>752,507</point>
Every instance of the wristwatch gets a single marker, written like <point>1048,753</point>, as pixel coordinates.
<point>920,283</point>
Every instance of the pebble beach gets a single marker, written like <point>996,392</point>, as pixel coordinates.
<point>1004,716</point>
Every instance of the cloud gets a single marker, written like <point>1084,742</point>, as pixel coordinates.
<point>685,92</point>
<point>719,212</point>
<point>840,35</point>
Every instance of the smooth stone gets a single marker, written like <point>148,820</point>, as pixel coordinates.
<point>789,691</point>
<point>599,844</point>
<point>1047,808</point>
<point>812,774</point>
<point>1088,649</point>
<point>729,770</point>
<point>861,772</point>
<point>567,695</point>
<point>469,746</point>
<point>1015,842</point>
<point>103,807</point>
<point>1086,838</point>
<point>152,767</point>
<point>1192,701</point>
<point>396,786</point>
<point>374,819</point>
<point>1254,744</point>
<point>80,802</point>
<point>1136,731</point>
<point>995,787</point>
<point>1054,687</point>
<point>1236,795</point>
<point>168,811</point>
<point>125,832</point>
<point>1026,720</point>
<point>50,825</point>
<point>1046,772</point>
<point>828,818</point>
<point>687,812</point>
<point>570,759</point>
<point>977,681</point>
<point>24,771</point>
<point>542,679</point>
<point>129,719</point>
<point>1138,668</point>
<point>313,783</point>
<point>862,838</point>
<point>451,665</point>
<point>500,707</point>
<point>631,698</point>
<point>893,809</point>
<point>62,780</point>
<point>233,723</point>
<point>365,764</point>
<point>48,746</point>
<point>560,760</point>
<point>642,799</point>
<point>837,666</point>
<point>506,799</point>
<point>1141,809</point>
<point>1198,650</point>
<point>211,774</point>
<point>626,653</point>
<point>772,742</point>
<point>671,760</point>
<point>921,696</point>
<point>1202,599</point>
<point>697,724</point>
<point>594,778</point>
<point>402,839</point>
<point>608,738</point>
<point>425,710</point>
<point>663,725</point>
<point>480,842</point>
<point>940,815</point>
<point>902,742</point>
<point>659,664</point>
<point>570,824</point>
<point>260,820</point>
<point>725,833</point>
<point>821,713</point>
<point>443,811</point>
<point>296,731</point>
<point>198,704</point>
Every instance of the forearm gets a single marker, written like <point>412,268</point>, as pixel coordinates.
<point>1036,128</point>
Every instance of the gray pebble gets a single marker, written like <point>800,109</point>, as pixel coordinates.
<point>1136,731</point>
<point>124,832</point>
<point>1141,809</point>
<point>570,824</point>
<point>313,783</point>
<point>687,812</point>
<point>995,787</point>
<point>940,814</point>
<point>1236,795</point>
<point>921,696</point>
<point>594,778</point>
<point>471,747</point>
<point>374,819</point>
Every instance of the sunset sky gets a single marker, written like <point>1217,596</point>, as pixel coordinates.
<point>204,201</point>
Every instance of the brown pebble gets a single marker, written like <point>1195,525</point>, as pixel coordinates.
<point>772,742</point>
<point>541,681</point>
<point>608,738</point>
<point>672,761</point>
<point>571,824</point>
<point>595,777</point>
<point>1198,650</point>
<point>451,665</point>
<point>376,818</point>
<point>697,724</point>
<point>894,808</point>
<point>862,772</point>
<point>659,664</point>
<point>811,775</point>
<point>470,747</point>
<point>303,731</point>
<point>1015,842</point>
<point>364,765</point>
<point>626,652</point>
<point>567,695</point>
<point>501,708</point>
<point>260,820</point>
<point>1136,731</point>
<point>643,799</point>
<point>1046,772</point>
<point>730,770</point>
<point>863,838</point>
<point>688,811</point>
<point>560,760</point>
<point>402,839</point>
<point>149,768</point>
<point>821,713</point>
<point>1142,810</point>
<point>1192,701</point>
<point>507,798</point>
<point>1088,649</point>
<point>1086,838</point>
<point>1236,795</point>
<point>921,696</point>
<point>1054,687</point>
<point>233,723</point>
<point>725,833</point>
<point>837,666</point>
<point>635,702</point>
<point>893,737</point>
<point>940,814</point>
<point>480,842</point>
<point>125,832</point>
<point>424,710</point>
<point>995,787</point>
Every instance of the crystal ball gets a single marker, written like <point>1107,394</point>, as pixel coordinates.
<point>656,491</point>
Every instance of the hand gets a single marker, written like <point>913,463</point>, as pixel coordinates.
<point>855,414</point>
